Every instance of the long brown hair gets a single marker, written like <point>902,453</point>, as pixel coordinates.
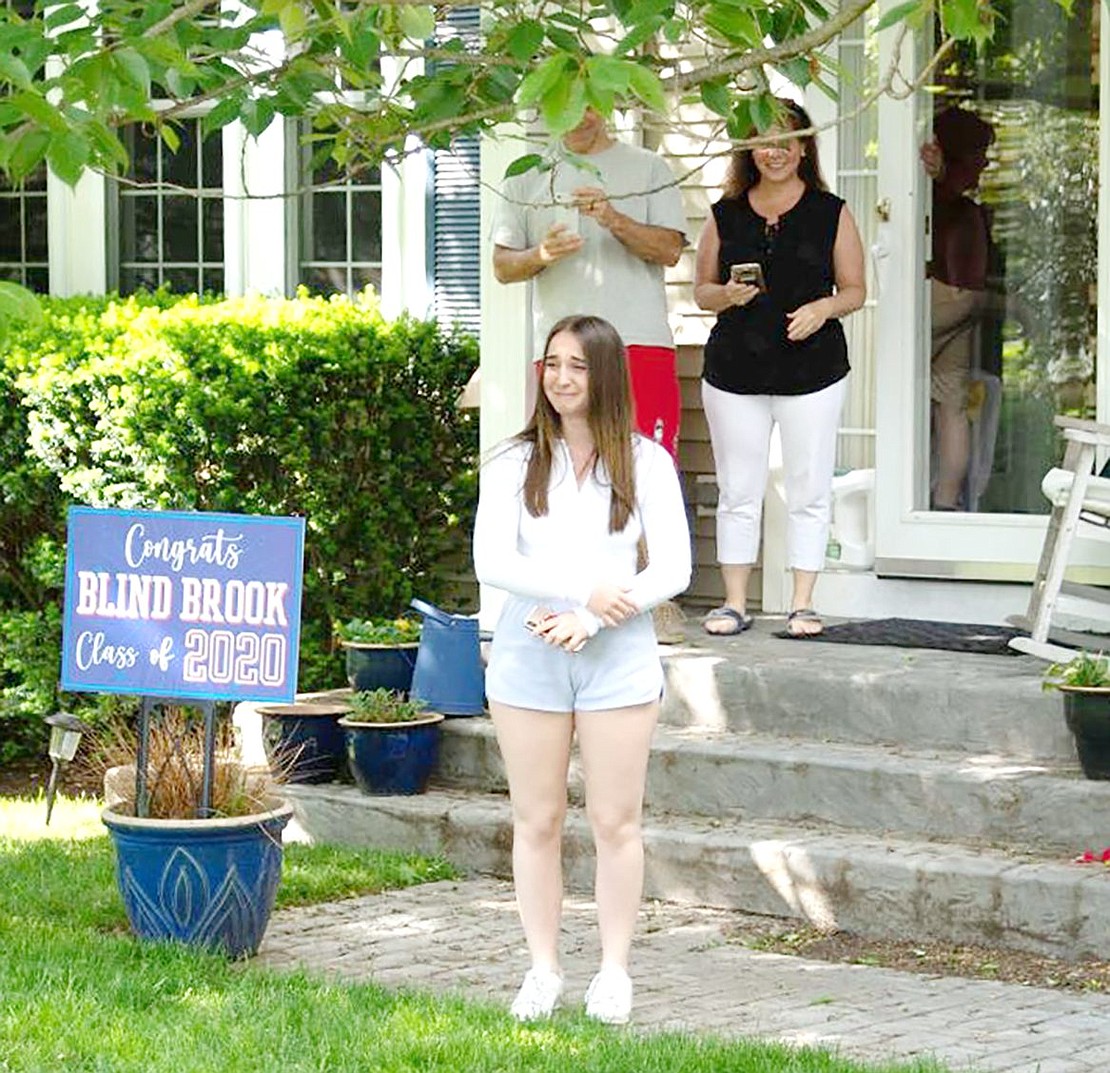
<point>742,173</point>
<point>609,414</point>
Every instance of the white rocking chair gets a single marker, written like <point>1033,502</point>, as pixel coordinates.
<point>1080,507</point>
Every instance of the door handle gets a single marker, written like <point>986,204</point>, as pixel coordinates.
<point>882,209</point>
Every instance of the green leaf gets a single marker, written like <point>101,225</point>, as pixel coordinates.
<point>966,20</point>
<point>524,40</point>
<point>897,13</point>
<point>639,34</point>
<point>564,39</point>
<point>646,85</point>
<point>39,109</point>
<point>528,162</point>
<point>225,112</point>
<point>63,15</point>
<point>107,147</point>
<point>564,105</point>
<point>733,24</point>
<point>294,21</point>
<point>178,84</point>
<point>674,30</point>
<point>646,9</point>
<point>14,70</point>
<point>133,69</point>
<point>740,123</point>
<point>609,73</point>
<point>68,154</point>
<point>763,112</point>
<point>418,23</point>
<point>796,70</point>
<point>28,152</point>
<point>170,136</point>
<point>538,82</point>
<point>257,114</point>
<point>717,97</point>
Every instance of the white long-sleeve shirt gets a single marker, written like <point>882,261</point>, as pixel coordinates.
<point>565,554</point>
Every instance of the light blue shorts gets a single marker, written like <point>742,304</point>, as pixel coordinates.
<point>618,668</point>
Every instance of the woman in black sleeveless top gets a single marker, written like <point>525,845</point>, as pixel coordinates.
<point>776,354</point>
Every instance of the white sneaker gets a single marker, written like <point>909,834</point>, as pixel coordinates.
<point>609,996</point>
<point>538,995</point>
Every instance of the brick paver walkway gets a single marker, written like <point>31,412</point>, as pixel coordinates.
<point>464,937</point>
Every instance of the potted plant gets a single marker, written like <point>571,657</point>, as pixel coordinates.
<point>304,740</point>
<point>381,652</point>
<point>392,742</point>
<point>1085,684</point>
<point>205,876</point>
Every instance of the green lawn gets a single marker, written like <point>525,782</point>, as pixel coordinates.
<point>78,994</point>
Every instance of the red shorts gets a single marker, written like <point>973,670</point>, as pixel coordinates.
<point>655,395</point>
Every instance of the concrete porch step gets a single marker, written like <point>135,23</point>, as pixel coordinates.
<point>871,886</point>
<point>719,774</point>
<point>915,699</point>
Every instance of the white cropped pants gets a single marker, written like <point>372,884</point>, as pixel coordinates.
<point>740,430</point>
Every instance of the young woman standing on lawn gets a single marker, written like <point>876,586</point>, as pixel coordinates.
<point>563,506</point>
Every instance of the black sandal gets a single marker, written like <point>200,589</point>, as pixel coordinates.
<point>739,622</point>
<point>803,614</point>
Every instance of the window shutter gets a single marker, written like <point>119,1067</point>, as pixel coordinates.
<point>456,239</point>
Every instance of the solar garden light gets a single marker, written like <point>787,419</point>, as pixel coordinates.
<point>65,736</point>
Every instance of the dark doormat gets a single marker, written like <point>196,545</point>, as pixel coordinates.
<point>915,633</point>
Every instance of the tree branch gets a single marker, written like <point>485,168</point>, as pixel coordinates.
<point>756,57</point>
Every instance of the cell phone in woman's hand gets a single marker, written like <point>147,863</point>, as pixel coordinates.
<point>535,618</point>
<point>750,272</point>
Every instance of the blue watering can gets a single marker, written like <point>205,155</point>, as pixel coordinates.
<point>449,676</point>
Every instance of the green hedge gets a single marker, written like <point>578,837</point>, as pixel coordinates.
<point>310,406</point>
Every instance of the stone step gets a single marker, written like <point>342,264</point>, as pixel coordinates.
<point>867,788</point>
<point>911,698</point>
<point>871,886</point>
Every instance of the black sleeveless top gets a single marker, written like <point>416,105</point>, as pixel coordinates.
<point>748,352</point>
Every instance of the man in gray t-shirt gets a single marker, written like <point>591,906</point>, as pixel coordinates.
<point>596,242</point>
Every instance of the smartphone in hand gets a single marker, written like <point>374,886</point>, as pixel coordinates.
<point>750,272</point>
<point>535,617</point>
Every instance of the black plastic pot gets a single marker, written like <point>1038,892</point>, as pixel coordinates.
<point>1087,712</point>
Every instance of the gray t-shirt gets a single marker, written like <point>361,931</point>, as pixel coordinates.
<point>603,278</point>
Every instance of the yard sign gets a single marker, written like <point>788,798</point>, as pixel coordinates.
<point>182,604</point>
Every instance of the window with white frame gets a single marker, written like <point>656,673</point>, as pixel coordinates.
<point>166,213</point>
<point>23,232</point>
<point>23,229</point>
<point>336,225</point>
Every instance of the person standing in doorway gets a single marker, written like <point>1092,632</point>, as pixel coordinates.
<point>562,510</point>
<point>780,262</point>
<point>958,269</point>
<point>595,235</point>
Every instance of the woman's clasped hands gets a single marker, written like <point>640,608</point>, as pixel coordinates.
<point>610,603</point>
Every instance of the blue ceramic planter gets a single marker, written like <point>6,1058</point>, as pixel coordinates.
<point>380,666</point>
<point>304,742</point>
<point>393,758</point>
<point>208,883</point>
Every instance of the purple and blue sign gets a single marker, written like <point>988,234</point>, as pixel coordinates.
<point>182,604</point>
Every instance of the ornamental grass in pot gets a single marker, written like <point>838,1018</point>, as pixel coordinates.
<point>1084,682</point>
<point>207,881</point>
<point>392,742</point>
